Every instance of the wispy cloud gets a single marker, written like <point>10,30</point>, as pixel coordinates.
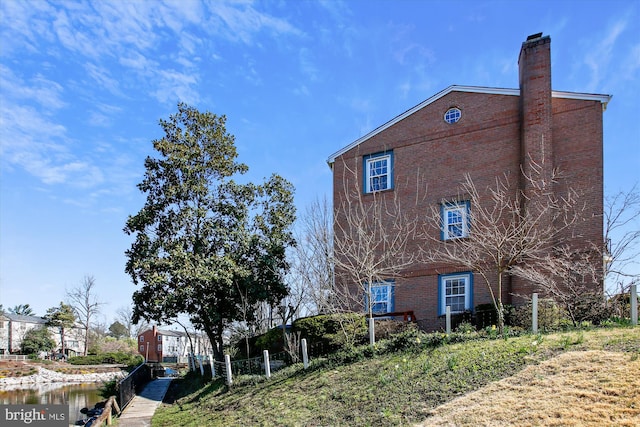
<point>113,48</point>
<point>74,39</point>
<point>307,65</point>
<point>46,92</point>
<point>176,86</point>
<point>24,24</point>
<point>598,58</point>
<point>239,21</point>
<point>101,75</point>
<point>40,146</point>
<point>631,64</point>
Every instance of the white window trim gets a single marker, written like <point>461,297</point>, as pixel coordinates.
<point>389,302</point>
<point>368,176</point>
<point>463,207</point>
<point>452,115</point>
<point>467,291</point>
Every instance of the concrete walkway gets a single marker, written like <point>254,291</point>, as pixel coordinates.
<point>139,412</point>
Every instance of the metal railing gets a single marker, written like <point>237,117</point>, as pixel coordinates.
<point>134,383</point>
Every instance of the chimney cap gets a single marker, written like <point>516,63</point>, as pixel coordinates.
<point>534,36</point>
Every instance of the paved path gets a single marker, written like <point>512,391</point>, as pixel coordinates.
<point>139,412</point>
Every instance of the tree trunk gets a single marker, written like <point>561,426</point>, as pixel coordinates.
<point>371,325</point>
<point>62,339</point>
<point>499,306</point>
<point>86,339</point>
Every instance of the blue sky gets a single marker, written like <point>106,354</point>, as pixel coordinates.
<point>83,85</point>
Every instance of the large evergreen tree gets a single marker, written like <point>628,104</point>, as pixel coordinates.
<point>61,317</point>
<point>36,340</point>
<point>206,244</point>
<point>22,310</point>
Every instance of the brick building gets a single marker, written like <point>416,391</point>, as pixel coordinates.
<point>158,345</point>
<point>486,133</point>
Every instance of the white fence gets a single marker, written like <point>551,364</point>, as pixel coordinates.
<point>13,357</point>
<point>265,364</point>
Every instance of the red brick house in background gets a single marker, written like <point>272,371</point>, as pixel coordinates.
<point>170,346</point>
<point>486,133</point>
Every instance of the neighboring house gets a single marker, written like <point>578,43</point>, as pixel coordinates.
<point>4,334</point>
<point>487,133</point>
<point>13,328</point>
<point>157,345</point>
<point>73,340</point>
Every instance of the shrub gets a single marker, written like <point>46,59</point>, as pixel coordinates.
<point>109,388</point>
<point>590,307</point>
<point>271,340</point>
<point>409,340</point>
<point>37,340</point>
<point>333,331</point>
<point>465,328</point>
<point>550,316</point>
<point>387,328</point>
<point>108,358</point>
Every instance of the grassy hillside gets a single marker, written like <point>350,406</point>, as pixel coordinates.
<point>400,384</point>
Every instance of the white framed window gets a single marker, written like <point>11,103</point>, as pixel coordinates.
<point>383,297</point>
<point>455,291</point>
<point>455,220</point>
<point>159,347</point>
<point>452,115</point>
<point>141,338</point>
<point>141,349</point>
<point>159,338</point>
<point>378,172</point>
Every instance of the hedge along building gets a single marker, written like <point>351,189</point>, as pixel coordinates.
<point>420,158</point>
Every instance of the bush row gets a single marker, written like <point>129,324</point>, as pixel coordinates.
<point>118,358</point>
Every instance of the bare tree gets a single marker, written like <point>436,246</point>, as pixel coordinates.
<point>311,275</point>
<point>289,310</point>
<point>622,239</point>
<point>568,276</point>
<point>124,315</point>
<point>372,233</point>
<point>84,301</point>
<point>509,227</point>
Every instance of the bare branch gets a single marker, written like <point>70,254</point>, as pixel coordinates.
<point>372,233</point>
<point>84,301</point>
<point>510,226</point>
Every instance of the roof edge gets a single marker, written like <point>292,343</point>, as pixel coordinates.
<point>604,99</point>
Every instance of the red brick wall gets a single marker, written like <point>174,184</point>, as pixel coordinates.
<point>150,339</point>
<point>431,158</point>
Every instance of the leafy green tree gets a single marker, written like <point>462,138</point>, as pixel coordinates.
<point>118,330</point>
<point>22,310</point>
<point>61,317</point>
<point>205,244</point>
<point>36,340</point>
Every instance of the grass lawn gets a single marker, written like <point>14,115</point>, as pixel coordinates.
<point>411,386</point>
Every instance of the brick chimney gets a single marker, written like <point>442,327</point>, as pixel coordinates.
<point>535,110</point>
<point>536,157</point>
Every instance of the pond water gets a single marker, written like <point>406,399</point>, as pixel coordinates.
<point>77,396</point>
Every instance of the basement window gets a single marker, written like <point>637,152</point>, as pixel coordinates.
<point>455,291</point>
